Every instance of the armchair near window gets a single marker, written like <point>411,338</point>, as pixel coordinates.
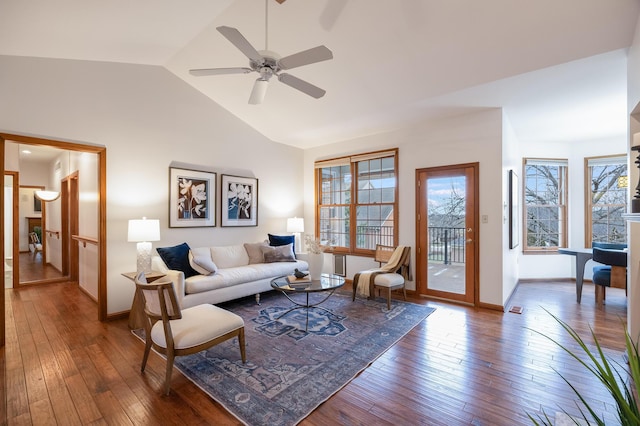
<point>390,276</point>
<point>611,273</point>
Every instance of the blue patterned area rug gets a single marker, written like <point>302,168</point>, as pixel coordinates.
<point>290,371</point>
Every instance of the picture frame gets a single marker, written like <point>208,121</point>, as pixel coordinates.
<point>192,198</point>
<point>239,201</point>
<point>37,204</point>
<point>514,208</point>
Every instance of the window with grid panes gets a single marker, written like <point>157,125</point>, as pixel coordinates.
<point>607,200</point>
<point>545,195</point>
<point>357,201</point>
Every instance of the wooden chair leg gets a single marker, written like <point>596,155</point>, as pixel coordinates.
<point>242,345</point>
<point>145,357</point>
<point>599,294</point>
<point>167,380</point>
<point>389,299</point>
<point>404,292</point>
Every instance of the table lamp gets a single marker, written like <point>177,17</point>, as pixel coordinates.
<point>295,225</point>
<point>143,231</point>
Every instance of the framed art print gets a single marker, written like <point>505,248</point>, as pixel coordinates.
<point>192,198</point>
<point>239,204</point>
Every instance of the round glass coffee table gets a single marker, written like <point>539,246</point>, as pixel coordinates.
<point>327,283</point>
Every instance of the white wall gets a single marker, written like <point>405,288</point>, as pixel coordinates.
<point>554,266</point>
<point>8,218</point>
<point>147,118</point>
<point>511,160</point>
<point>633,99</point>
<point>88,204</point>
<point>475,137</point>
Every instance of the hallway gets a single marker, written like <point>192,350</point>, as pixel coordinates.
<point>31,269</point>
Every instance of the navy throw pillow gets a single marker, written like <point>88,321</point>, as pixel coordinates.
<point>282,240</point>
<point>177,258</point>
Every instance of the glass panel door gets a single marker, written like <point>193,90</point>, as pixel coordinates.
<point>446,234</point>
<point>446,228</point>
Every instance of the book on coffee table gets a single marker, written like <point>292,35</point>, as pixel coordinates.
<point>298,282</point>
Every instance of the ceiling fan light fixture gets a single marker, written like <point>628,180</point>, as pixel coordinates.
<point>47,195</point>
<point>259,91</point>
<point>268,63</point>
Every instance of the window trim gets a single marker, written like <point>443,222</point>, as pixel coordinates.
<point>588,207</point>
<point>352,161</point>
<point>564,206</point>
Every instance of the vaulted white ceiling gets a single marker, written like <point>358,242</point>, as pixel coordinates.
<point>557,67</point>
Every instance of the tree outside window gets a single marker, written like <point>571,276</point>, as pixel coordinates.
<point>607,199</point>
<point>545,194</point>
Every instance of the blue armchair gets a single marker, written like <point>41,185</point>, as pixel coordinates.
<point>612,272</point>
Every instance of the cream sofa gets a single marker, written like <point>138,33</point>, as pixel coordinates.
<point>229,272</point>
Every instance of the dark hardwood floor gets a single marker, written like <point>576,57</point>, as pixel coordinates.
<point>460,366</point>
<point>32,268</point>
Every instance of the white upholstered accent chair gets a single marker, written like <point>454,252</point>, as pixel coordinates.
<point>390,276</point>
<point>175,332</point>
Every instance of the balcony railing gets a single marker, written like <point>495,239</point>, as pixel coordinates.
<point>446,245</point>
<point>369,236</point>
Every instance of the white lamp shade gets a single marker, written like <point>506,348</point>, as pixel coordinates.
<point>141,230</point>
<point>295,224</point>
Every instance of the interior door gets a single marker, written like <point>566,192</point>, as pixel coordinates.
<point>447,227</point>
<point>73,227</point>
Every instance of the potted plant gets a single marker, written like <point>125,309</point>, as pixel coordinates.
<point>315,258</point>
<point>623,384</point>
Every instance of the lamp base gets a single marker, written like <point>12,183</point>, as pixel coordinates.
<point>143,263</point>
<point>297,242</point>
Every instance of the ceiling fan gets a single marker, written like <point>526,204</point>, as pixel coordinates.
<point>268,63</point>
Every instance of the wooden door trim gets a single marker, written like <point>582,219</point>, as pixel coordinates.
<point>421,282</point>
<point>101,152</point>
<point>15,226</point>
<point>70,247</point>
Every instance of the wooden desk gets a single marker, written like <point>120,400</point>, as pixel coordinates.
<point>583,255</point>
<point>136,315</point>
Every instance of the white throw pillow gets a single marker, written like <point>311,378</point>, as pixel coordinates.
<point>229,256</point>
<point>200,260</point>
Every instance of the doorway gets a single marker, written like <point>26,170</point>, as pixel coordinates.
<point>447,232</point>
<point>100,226</point>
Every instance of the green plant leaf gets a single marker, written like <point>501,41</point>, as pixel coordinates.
<point>607,371</point>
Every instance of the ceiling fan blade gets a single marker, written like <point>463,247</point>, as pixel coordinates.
<point>301,85</point>
<point>238,40</point>
<point>219,71</point>
<point>311,56</point>
<point>259,91</point>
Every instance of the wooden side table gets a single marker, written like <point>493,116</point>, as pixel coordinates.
<point>136,315</point>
